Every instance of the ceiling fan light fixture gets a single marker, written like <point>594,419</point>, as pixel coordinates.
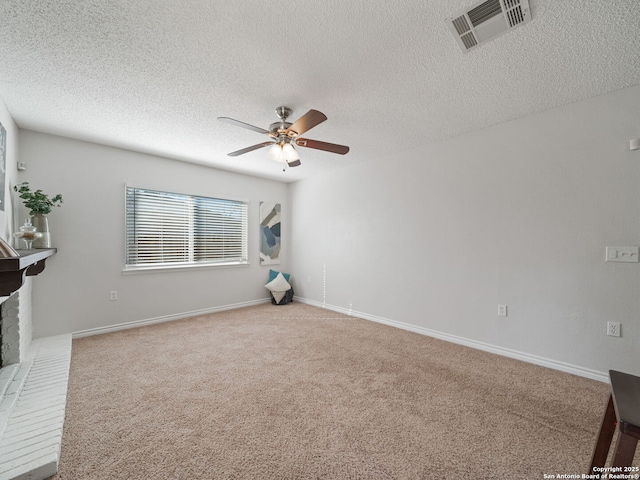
<point>283,152</point>
<point>275,153</point>
<point>289,153</point>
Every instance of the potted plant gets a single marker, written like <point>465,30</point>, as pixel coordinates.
<point>39,205</point>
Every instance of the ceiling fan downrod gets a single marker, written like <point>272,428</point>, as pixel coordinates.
<point>283,112</point>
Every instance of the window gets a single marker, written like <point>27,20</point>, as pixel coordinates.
<point>166,229</point>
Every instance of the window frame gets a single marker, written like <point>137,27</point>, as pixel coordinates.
<point>132,268</point>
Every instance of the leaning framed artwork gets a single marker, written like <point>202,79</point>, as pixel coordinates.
<point>269,233</point>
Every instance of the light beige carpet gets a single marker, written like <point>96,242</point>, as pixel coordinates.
<point>298,392</point>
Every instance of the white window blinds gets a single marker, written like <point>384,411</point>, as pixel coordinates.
<point>172,229</point>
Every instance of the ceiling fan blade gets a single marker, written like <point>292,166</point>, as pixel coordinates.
<point>327,147</point>
<point>238,123</point>
<point>249,149</point>
<point>306,122</point>
<point>295,163</point>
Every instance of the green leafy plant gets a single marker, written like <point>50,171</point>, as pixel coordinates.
<point>36,201</point>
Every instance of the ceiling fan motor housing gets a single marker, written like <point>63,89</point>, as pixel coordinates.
<point>279,128</point>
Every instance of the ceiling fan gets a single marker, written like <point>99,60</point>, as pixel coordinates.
<point>284,135</point>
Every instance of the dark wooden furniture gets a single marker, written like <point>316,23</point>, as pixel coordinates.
<point>13,270</point>
<point>623,408</point>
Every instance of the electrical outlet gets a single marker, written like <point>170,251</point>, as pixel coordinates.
<point>113,295</point>
<point>502,310</point>
<point>613,329</point>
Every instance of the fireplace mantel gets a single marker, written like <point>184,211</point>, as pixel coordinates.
<point>14,269</point>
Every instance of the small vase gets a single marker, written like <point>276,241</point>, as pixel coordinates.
<point>41,222</point>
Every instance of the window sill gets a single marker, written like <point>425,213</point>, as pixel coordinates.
<point>181,268</point>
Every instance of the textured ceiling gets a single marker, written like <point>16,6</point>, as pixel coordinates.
<point>153,75</point>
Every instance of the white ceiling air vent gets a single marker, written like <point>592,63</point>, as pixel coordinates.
<point>487,19</point>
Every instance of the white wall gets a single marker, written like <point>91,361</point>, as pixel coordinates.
<point>517,214</point>
<point>11,169</point>
<point>17,328</point>
<point>72,294</point>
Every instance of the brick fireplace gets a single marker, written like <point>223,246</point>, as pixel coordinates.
<point>16,326</point>
<point>33,377</point>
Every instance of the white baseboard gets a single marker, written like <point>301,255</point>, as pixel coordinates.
<point>165,318</point>
<point>506,352</point>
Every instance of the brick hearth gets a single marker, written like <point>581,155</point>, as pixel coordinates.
<point>33,396</point>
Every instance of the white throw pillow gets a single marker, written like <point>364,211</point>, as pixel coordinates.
<point>277,296</point>
<point>278,284</point>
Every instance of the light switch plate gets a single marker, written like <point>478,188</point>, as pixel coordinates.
<point>623,254</point>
